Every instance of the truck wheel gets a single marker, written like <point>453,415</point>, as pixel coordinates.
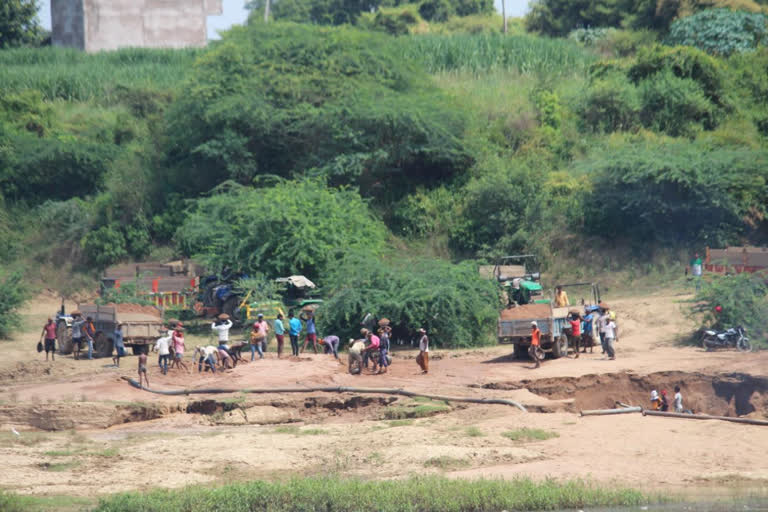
<point>64,336</point>
<point>138,349</point>
<point>520,352</point>
<point>102,345</point>
<point>560,347</point>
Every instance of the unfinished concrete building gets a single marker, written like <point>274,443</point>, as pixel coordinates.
<point>94,25</point>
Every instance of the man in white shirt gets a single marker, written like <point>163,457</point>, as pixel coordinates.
<point>611,333</point>
<point>356,348</point>
<point>423,358</point>
<point>222,327</point>
<point>208,354</point>
<point>162,346</point>
<point>678,403</point>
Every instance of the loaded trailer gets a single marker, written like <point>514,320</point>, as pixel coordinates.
<point>142,327</point>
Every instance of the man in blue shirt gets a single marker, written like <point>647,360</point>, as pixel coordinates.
<point>294,329</point>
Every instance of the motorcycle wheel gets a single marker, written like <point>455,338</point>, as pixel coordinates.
<point>709,343</point>
<point>743,345</point>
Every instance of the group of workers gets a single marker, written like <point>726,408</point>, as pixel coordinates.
<point>659,401</point>
<point>580,329</point>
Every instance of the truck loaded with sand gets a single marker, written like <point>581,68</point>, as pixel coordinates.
<point>141,327</point>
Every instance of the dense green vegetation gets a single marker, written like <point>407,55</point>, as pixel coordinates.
<point>384,148</point>
<point>421,493</point>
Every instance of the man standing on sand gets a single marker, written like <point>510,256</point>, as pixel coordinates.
<point>535,347</point>
<point>574,319</point>
<point>222,327</point>
<point>311,333</point>
<point>162,345</point>
<point>294,326</point>
<point>264,328</point>
<point>90,333</point>
<point>697,268</point>
<point>611,334</point>
<point>678,403</point>
<point>143,369</point>
<point>119,345</point>
<point>423,358</point>
<point>77,332</point>
<point>279,334</point>
<point>49,334</point>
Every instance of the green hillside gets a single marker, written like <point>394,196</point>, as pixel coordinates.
<point>301,146</point>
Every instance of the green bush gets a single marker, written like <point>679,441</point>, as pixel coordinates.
<point>396,22</point>
<point>683,62</point>
<point>500,208</point>
<point>610,103</point>
<point>436,10</point>
<point>676,106</point>
<point>676,192</point>
<point>456,306</point>
<point>105,246</point>
<point>720,31</point>
<point>295,227</point>
<point>743,299</point>
<point>14,293</point>
<point>280,99</point>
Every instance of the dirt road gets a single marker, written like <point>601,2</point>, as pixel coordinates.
<point>100,435</point>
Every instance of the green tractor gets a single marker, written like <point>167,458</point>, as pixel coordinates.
<point>296,292</point>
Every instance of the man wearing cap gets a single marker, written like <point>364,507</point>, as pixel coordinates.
<point>423,358</point>
<point>264,328</point>
<point>222,327</point>
<point>533,350</point>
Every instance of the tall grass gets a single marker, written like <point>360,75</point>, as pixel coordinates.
<point>481,53</point>
<point>417,494</point>
<point>72,75</point>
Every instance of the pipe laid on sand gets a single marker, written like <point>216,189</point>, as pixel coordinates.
<point>748,421</point>
<point>605,412</point>
<point>340,389</point>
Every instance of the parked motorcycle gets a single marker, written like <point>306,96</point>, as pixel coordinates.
<point>735,337</point>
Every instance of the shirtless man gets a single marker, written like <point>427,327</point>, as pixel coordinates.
<point>143,369</point>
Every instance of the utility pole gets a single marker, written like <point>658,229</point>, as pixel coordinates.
<point>266,12</point>
<point>503,13</point>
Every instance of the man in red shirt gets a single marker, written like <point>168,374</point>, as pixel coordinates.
<point>535,349</point>
<point>574,319</point>
<point>49,333</point>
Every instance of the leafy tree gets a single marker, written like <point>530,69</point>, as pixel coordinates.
<point>294,227</point>
<point>676,106</point>
<point>18,23</point>
<point>436,10</point>
<point>287,99</point>
<point>610,103</point>
<point>720,31</point>
<point>676,192</point>
<point>456,306</point>
<point>105,246</point>
<point>13,296</point>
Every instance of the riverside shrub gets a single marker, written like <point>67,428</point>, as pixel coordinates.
<point>295,227</point>
<point>456,306</point>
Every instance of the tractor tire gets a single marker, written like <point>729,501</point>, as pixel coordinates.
<point>520,352</point>
<point>64,337</point>
<point>231,307</point>
<point>102,345</point>
<point>560,347</point>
